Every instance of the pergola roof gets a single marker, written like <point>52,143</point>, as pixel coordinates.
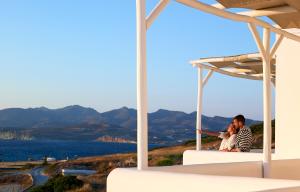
<point>284,19</point>
<point>248,66</point>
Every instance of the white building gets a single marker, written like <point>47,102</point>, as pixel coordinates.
<point>276,64</point>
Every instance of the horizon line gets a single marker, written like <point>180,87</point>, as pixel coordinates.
<point>77,105</point>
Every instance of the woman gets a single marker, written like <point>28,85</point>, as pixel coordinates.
<point>228,138</point>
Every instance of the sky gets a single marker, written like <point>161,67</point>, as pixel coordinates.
<point>56,53</point>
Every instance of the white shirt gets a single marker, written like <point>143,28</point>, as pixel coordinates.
<point>227,143</point>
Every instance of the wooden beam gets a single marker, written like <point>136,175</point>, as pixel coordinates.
<point>276,45</point>
<point>258,41</point>
<point>230,58</point>
<point>236,17</point>
<point>209,74</point>
<point>269,12</point>
<point>156,11</point>
<point>215,69</point>
<point>218,5</point>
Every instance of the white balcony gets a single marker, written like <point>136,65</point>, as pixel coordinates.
<point>227,171</point>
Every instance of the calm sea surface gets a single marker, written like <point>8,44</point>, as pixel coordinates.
<point>13,150</point>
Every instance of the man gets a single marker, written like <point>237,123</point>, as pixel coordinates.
<point>244,136</point>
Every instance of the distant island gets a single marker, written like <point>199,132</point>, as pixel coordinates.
<point>13,135</point>
<point>110,139</point>
<point>86,124</point>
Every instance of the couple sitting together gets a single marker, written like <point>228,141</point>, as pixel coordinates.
<point>237,138</point>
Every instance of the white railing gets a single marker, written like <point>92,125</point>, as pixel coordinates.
<point>164,179</point>
<point>191,157</point>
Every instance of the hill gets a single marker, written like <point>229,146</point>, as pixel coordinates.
<point>80,123</point>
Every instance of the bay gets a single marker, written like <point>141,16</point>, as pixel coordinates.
<point>17,150</point>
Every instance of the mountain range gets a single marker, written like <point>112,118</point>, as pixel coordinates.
<point>81,123</point>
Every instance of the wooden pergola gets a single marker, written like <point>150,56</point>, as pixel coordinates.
<point>246,66</point>
<point>286,15</point>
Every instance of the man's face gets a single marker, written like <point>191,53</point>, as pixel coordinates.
<point>236,123</point>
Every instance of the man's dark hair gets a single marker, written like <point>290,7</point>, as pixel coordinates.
<point>240,118</point>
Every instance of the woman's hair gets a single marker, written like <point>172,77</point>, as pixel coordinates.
<point>226,133</point>
<point>235,130</point>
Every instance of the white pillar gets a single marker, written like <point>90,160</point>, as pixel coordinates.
<point>142,102</point>
<point>267,105</point>
<point>199,109</point>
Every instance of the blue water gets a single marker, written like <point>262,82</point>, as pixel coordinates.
<point>14,150</point>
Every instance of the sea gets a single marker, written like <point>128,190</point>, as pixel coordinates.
<point>18,150</point>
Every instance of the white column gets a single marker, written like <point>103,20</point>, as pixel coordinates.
<point>267,105</point>
<point>142,102</point>
<point>199,109</point>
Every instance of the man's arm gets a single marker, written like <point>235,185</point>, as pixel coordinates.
<point>210,133</point>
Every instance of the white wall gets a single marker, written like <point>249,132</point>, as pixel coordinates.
<point>191,157</point>
<point>222,163</point>
<point>242,169</point>
<point>163,181</point>
<point>288,100</point>
<point>286,169</point>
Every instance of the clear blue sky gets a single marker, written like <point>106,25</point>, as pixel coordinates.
<point>56,53</point>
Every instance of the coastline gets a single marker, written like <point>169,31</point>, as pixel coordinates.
<point>109,139</point>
